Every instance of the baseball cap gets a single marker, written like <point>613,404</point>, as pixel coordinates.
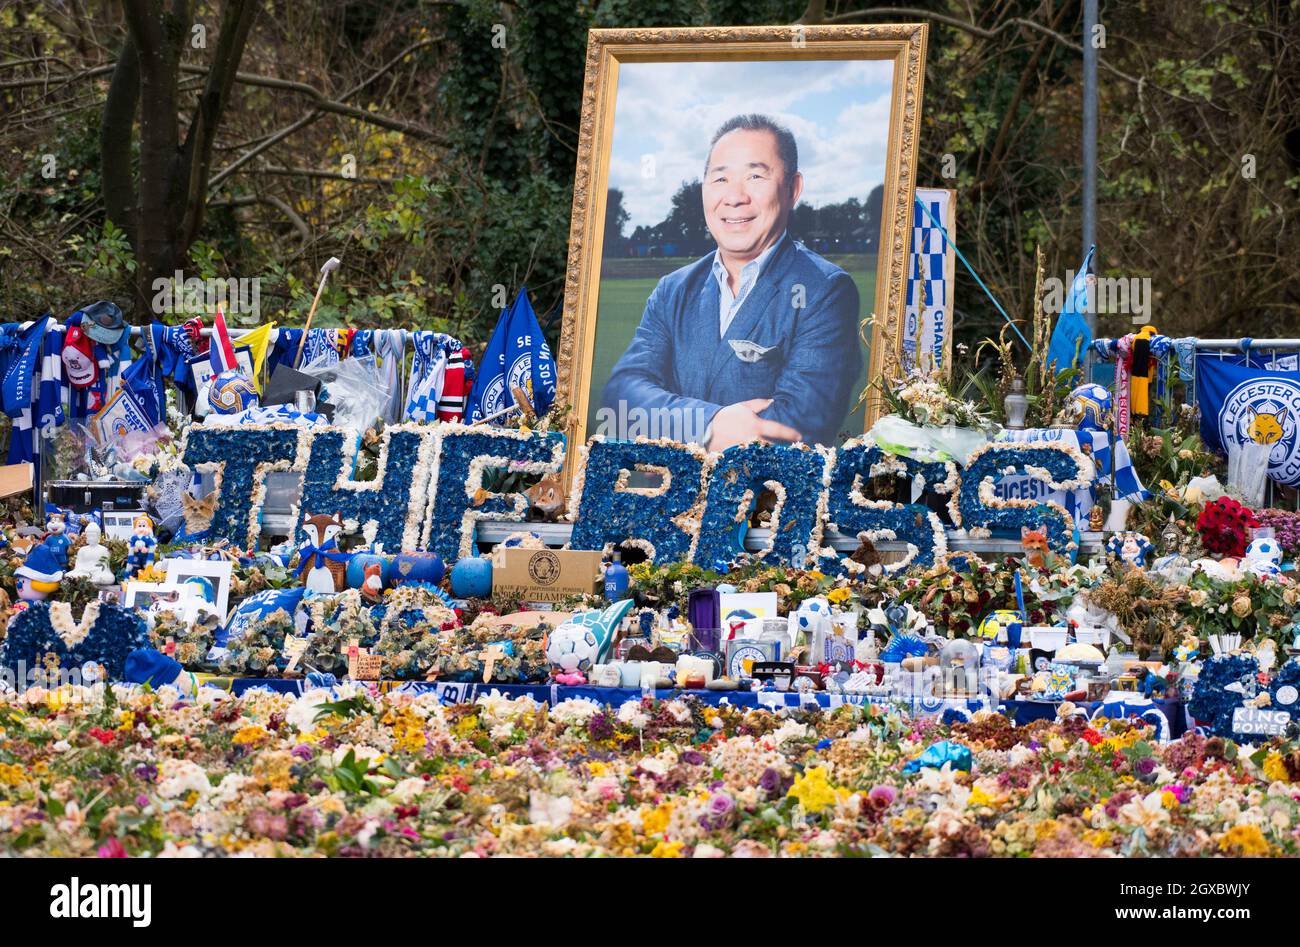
<point>103,322</point>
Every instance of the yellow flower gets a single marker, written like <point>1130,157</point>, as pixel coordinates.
<point>1274,769</point>
<point>655,821</point>
<point>1168,799</point>
<point>978,797</point>
<point>128,721</point>
<point>11,774</point>
<point>466,725</point>
<point>667,850</point>
<point>1245,840</point>
<point>598,767</point>
<point>838,596</point>
<point>813,790</point>
<point>252,733</point>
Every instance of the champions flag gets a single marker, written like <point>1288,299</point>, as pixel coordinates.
<point>1241,403</point>
<point>517,356</point>
<point>1071,337</point>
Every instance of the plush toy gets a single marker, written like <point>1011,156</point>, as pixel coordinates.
<point>143,545</point>
<point>372,586</point>
<point>545,499</point>
<point>1130,548</point>
<point>56,538</point>
<point>39,575</point>
<point>197,515</point>
<point>321,566</point>
<point>1038,554</point>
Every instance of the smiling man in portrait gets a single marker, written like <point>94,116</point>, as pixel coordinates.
<point>759,338</point>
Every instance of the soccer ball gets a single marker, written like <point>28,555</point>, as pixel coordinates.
<point>813,612</point>
<point>1263,557</point>
<point>1090,406</point>
<point>231,392</point>
<point>994,622</point>
<point>572,647</point>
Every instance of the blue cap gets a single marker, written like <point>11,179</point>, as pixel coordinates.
<point>40,565</point>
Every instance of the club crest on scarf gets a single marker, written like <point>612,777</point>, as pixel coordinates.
<point>1263,411</point>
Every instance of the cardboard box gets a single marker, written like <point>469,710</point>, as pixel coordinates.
<point>546,575</point>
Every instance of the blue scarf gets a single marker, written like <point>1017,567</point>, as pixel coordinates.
<point>328,552</point>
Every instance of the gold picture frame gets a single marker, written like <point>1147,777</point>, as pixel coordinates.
<point>607,50</point>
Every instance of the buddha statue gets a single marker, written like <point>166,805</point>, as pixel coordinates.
<point>92,560</point>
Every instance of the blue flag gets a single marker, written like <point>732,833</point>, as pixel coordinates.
<point>517,356</point>
<point>1071,337</point>
<point>1240,403</point>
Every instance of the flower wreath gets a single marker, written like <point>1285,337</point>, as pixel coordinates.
<point>460,502</point>
<point>105,636</point>
<point>1060,466</point>
<point>852,514</point>
<point>1214,706</point>
<point>796,473</point>
<point>607,513</point>
<point>239,458</point>
<point>393,504</point>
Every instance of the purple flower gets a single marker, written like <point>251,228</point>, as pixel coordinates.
<point>693,757</point>
<point>303,751</point>
<point>721,805</point>
<point>1145,766</point>
<point>882,797</point>
<point>772,783</point>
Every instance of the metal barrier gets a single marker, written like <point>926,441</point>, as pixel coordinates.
<point>1278,354</point>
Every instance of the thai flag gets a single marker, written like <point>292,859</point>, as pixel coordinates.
<point>221,354</point>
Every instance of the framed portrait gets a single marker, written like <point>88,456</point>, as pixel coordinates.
<point>739,240</point>
<point>216,574</point>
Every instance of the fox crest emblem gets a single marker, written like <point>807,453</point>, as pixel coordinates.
<point>1266,428</point>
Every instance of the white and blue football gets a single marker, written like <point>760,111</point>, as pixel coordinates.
<point>231,392</point>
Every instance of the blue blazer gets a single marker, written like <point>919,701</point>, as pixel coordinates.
<point>676,361</point>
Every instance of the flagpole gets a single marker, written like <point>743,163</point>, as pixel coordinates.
<point>1090,53</point>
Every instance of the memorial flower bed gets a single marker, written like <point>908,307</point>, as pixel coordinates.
<point>131,772</point>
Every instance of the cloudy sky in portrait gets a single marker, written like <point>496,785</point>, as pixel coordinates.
<point>666,113</point>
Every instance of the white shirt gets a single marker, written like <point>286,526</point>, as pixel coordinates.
<point>729,303</point>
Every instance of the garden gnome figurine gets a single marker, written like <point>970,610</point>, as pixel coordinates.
<point>56,538</point>
<point>92,559</point>
<point>143,545</point>
<point>39,575</point>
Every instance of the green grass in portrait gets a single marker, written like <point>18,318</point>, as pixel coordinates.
<point>626,284</point>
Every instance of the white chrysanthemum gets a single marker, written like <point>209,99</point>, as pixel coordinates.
<point>574,711</point>
<point>632,715</point>
<point>180,777</point>
<point>301,714</point>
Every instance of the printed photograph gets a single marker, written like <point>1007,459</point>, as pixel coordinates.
<point>742,227</point>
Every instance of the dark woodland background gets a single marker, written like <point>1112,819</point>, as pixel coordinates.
<point>431,145</point>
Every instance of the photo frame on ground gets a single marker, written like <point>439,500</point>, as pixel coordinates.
<point>216,571</point>
<point>741,216</point>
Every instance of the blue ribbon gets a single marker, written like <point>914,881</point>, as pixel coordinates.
<point>328,552</point>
